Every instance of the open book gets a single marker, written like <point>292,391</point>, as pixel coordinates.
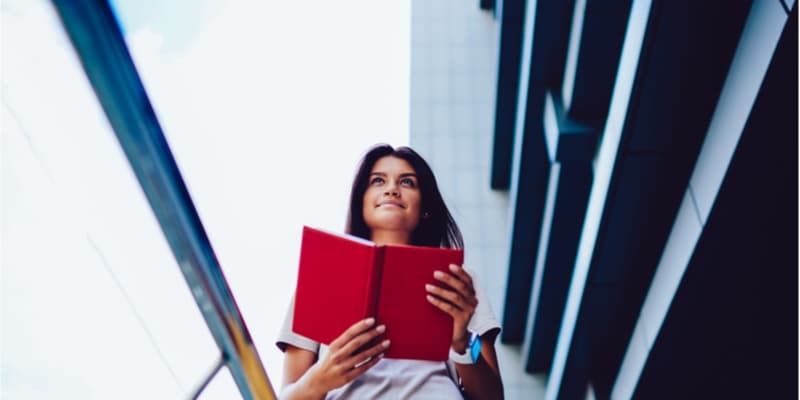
<point>343,279</point>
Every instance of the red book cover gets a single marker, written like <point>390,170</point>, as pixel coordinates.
<point>343,279</point>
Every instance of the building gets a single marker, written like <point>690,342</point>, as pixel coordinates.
<point>625,175</point>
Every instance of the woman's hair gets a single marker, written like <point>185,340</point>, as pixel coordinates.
<point>436,226</point>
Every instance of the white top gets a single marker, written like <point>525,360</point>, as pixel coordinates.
<point>396,378</point>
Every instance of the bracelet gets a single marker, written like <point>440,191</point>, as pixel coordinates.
<point>471,353</point>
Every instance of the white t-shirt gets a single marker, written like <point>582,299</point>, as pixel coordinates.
<point>398,378</point>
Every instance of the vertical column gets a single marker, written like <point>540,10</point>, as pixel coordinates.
<point>570,148</point>
<point>748,69</point>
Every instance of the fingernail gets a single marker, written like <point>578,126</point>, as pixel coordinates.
<point>386,343</point>
<point>438,274</point>
<point>453,267</point>
<point>381,328</point>
<point>369,321</point>
<point>429,297</point>
<point>428,286</point>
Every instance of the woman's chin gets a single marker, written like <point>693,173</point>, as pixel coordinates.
<point>390,224</point>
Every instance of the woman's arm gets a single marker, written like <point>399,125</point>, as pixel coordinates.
<point>482,379</point>
<point>295,364</point>
<point>305,378</point>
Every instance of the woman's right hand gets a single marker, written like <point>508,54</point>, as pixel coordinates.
<point>347,356</point>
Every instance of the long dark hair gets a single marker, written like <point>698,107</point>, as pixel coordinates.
<point>436,226</point>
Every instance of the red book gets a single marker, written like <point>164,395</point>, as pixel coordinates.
<point>343,279</point>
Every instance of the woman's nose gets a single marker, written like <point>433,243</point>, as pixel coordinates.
<point>391,189</point>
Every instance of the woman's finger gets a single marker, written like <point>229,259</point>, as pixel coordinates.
<point>465,291</point>
<point>364,356</point>
<point>351,332</point>
<point>453,297</point>
<point>360,369</point>
<point>452,281</point>
<point>359,341</point>
<point>444,306</point>
<point>462,275</point>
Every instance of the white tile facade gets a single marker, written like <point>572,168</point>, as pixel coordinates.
<point>453,85</point>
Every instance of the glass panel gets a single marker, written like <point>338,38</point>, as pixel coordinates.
<point>93,303</point>
<point>267,107</point>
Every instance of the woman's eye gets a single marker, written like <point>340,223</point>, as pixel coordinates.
<point>408,182</point>
<point>376,180</point>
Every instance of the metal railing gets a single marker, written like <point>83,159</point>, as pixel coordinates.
<point>97,38</point>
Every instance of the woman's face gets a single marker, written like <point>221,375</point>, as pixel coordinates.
<point>392,200</point>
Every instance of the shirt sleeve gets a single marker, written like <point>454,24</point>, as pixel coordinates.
<point>484,319</point>
<point>288,337</point>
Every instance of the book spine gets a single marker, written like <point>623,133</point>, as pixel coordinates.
<point>374,282</point>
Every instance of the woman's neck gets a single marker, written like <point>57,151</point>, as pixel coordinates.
<point>391,237</point>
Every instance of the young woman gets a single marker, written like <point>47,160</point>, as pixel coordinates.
<point>395,200</point>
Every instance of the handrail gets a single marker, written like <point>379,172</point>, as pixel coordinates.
<point>97,38</point>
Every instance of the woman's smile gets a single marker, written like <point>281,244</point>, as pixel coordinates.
<point>391,204</point>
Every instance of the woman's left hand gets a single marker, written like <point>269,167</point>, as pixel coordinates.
<point>459,301</point>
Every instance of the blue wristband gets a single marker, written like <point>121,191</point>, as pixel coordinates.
<point>475,347</point>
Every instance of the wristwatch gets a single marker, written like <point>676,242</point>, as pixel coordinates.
<point>471,354</point>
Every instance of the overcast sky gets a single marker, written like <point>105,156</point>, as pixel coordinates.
<point>267,107</point>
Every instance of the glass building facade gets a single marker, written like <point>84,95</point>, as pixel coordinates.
<point>625,174</point>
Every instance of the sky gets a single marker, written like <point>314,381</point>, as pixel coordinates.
<point>267,107</point>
